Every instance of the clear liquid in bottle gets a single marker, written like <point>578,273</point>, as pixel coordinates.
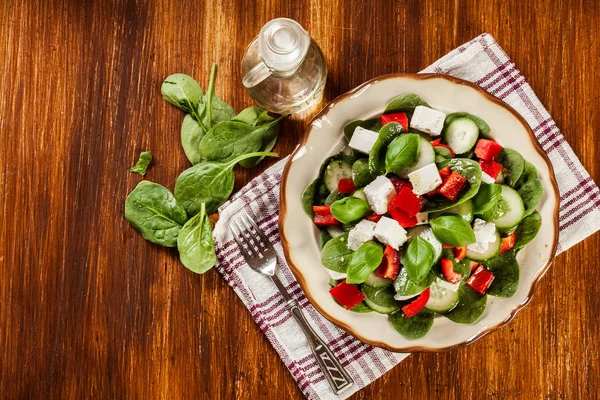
<point>284,69</point>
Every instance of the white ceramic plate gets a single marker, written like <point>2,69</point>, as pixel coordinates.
<point>324,137</point>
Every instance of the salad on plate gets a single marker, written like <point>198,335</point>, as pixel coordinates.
<point>422,215</point>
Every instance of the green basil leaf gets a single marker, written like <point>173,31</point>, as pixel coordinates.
<point>336,254</point>
<point>183,92</point>
<point>402,152</point>
<point>528,229</point>
<point>471,170</point>
<point>404,286</point>
<point>141,166</point>
<point>373,124</point>
<point>441,154</point>
<point>453,230</point>
<point>470,307</point>
<point>155,213</point>
<point>418,259</point>
<point>349,209</point>
<point>191,135</point>
<point>363,261</point>
<point>529,188</point>
<point>195,244</point>
<point>486,198</point>
<point>514,163</point>
<point>415,327</point>
<point>404,103</point>
<point>361,175</point>
<point>506,274</point>
<point>484,128</point>
<point>377,156</point>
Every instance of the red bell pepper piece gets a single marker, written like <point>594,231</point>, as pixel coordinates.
<point>416,305</point>
<point>400,183</point>
<point>390,265</point>
<point>481,280</point>
<point>445,172</point>
<point>405,220</point>
<point>460,252</point>
<point>452,186</point>
<point>400,118</point>
<point>322,216</point>
<point>508,242</point>
<point>346,186</point>
<point>448,271</point>
<point>474,265</point>
<point>487,149</point>
<point>436,142</point>
<point>492,168</point>
<point>347,295</point>
<point>407,201</point>
<point>373,217</point>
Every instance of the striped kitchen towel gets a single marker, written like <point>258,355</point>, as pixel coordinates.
<point>481,61</point>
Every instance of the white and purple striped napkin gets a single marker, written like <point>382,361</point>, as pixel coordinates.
<point>481,61</point>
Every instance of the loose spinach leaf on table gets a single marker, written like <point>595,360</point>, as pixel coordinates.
<point>373,124</point>
<point>195,243</point>
<point>155,213</point>
<point>209,182</point>
<point>528,230</point>
<point>513,162</point>
<point>349,209</point>
<point>487,197</point>
<point>506,274</point>
<point>383,297</point>
<point>404,103</point>
<point>441,154</point>
<point>484,128</point>
<point>253,116</point>
<point>213,109</point>
<point>141,166</point>
<point>404,286</point>
<point>529,187</point>
<point>453,230</point>
<point>415,327</point>
<point>470,307</point>
<point>191,135</point>
<point>377,156</point>
<point>363,261</point>
<point>183,92</point>
<point>361,175</point>
<point>402,152</point>
<point>336,254</point>
<point>471,170</point>
<point>418,259</point>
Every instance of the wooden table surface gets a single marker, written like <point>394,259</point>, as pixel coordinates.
<point>89,309</point>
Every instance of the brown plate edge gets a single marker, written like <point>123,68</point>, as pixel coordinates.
<point>300,277</point>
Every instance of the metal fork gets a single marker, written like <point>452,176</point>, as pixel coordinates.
<point>261,257</point>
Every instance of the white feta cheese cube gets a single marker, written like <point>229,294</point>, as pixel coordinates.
<point>363,140</point>
<point>487,179</point>
<point>361,233</point>
<point>485,233</point>
<point>389,231</point>
<point>428,120</point>
<point>422,218</point>
<point>425,179</point>
<point>336,276</point>
<point>379,194</point>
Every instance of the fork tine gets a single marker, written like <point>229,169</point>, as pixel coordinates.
<point>239,239</point>
<point>264,240</point>
<point>257,246</point>
<point>248,239</point>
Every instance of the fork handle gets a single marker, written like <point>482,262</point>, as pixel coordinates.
<point>334,372</point>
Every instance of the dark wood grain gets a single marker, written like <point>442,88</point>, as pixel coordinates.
<point>88,309</point>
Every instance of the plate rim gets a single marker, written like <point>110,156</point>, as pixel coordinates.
<point>283,210</point>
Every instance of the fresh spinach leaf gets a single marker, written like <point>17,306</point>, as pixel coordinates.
<point>415,327</point>
<point>185,93</point>
<point>506,274</point>
<point>404,286</point>
<point>404,103</point>
<point>463,267</point>
<point>471,170</point>
<point>212,109</point>
<point>373,124</point>
<point>528,229</point>
<point>334,196</point>
<point>191,135</point>
<point>195,243</point>
<point>336,254</point>
<point>487,197</point>
<point>470,307</point>
<point>349,209</point>
<point>155,213</point>
<point>363,261</point>
<point>529,187</point>
<point>361,175</point>
<point>484,128</point>
<point>377,156</point>
<point>418,259</point>
<point>514,163</point>
<point>441,154</point>
<point>256,116</point>
<point>453,230</point>
<point>253,116</point>
<point>324,237</point>
<point>209,182</point>
<point>361,308</point>
<point>499,209</point>
<point>383,297</point>
<point>402,152</point>
<point>141,166</point>
<point>308,197</point>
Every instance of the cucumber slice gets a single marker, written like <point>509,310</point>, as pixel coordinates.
<point>426,157</point>
<point>461,135</point>
<point>464,209</point>
<point>381,300</point>
<point>335,231</point>
<point>377,282</point>
<point>441,298</point>
<point>336,170</point>
<point>426,233</point>
<point>516,209</point>
<point>360,193</point>
<point>492,251</point>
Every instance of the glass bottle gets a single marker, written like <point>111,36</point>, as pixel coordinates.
<point>284,69</point>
